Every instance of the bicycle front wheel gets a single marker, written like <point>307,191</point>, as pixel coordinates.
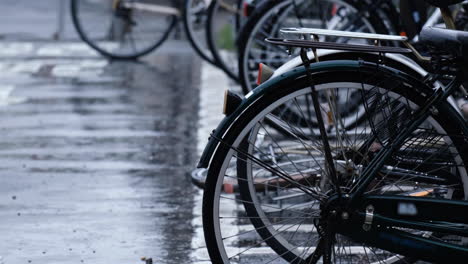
<point>267,189</point>
<point>195,19</point>
<point>123,29</point>
<point>225,18</point>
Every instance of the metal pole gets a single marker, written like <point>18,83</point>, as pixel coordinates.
<point>178,30</point>
<point>61,11</point>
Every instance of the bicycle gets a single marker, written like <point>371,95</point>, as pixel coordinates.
<point>123,29</point>
<point>392,190</point>
<point>266,22</point>
<point>128,29</point>
<point>404,62</point>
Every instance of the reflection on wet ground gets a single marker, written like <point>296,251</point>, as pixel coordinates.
<point>94,159</point>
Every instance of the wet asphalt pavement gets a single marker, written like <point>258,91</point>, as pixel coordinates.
<point>95,155</point>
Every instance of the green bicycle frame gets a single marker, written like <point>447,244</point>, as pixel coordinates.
<point>429,214</point>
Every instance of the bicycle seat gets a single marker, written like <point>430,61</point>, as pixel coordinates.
<point>443,3</point>
<point>446,41</point>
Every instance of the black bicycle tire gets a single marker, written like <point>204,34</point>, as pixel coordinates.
<point>191,37</point>
<point>84,37</point>
<point>265,7</point>
<point>212,44</point>
<point>451,126</point>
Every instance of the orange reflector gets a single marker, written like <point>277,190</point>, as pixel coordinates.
<point>334,10</point>
<point>264,73</point>
<point>231,102</point>
<point>421,193</point>
<point>260,70</point>
<point>228,188</point>
<point>226,94</point>
<point>330,117</point>
<point>246,9</point>
<point>115,4</point>
<point>403,34</point>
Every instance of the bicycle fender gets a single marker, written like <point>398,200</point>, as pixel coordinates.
<point>266,87</point>
<point>286,78</point>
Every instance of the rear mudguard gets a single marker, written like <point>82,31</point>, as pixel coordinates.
<point>251,97</point>
<point>277,81</point>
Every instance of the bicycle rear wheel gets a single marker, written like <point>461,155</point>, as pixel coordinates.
<point>265,190</point>
<point>123,29</point>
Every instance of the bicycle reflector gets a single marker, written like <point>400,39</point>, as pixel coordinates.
<point>264,73</point>
<point>231,102</point>
<point>115,4</point>
<point>247,9</point>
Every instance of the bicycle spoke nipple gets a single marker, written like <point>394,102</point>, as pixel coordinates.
<point>345,215</point>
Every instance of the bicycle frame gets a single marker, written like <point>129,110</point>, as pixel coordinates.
<point>404,243</point>
<point>159,9</point>
<point>162,9</point>
<point>410,212</point>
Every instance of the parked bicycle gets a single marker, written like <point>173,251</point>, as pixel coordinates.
<point>128,29</point>
<point>271,15</point>
<point>383,17</point>
<point>288,181</point>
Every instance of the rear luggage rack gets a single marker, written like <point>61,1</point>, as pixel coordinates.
<point>339,33</point>
<point>336,46</point>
